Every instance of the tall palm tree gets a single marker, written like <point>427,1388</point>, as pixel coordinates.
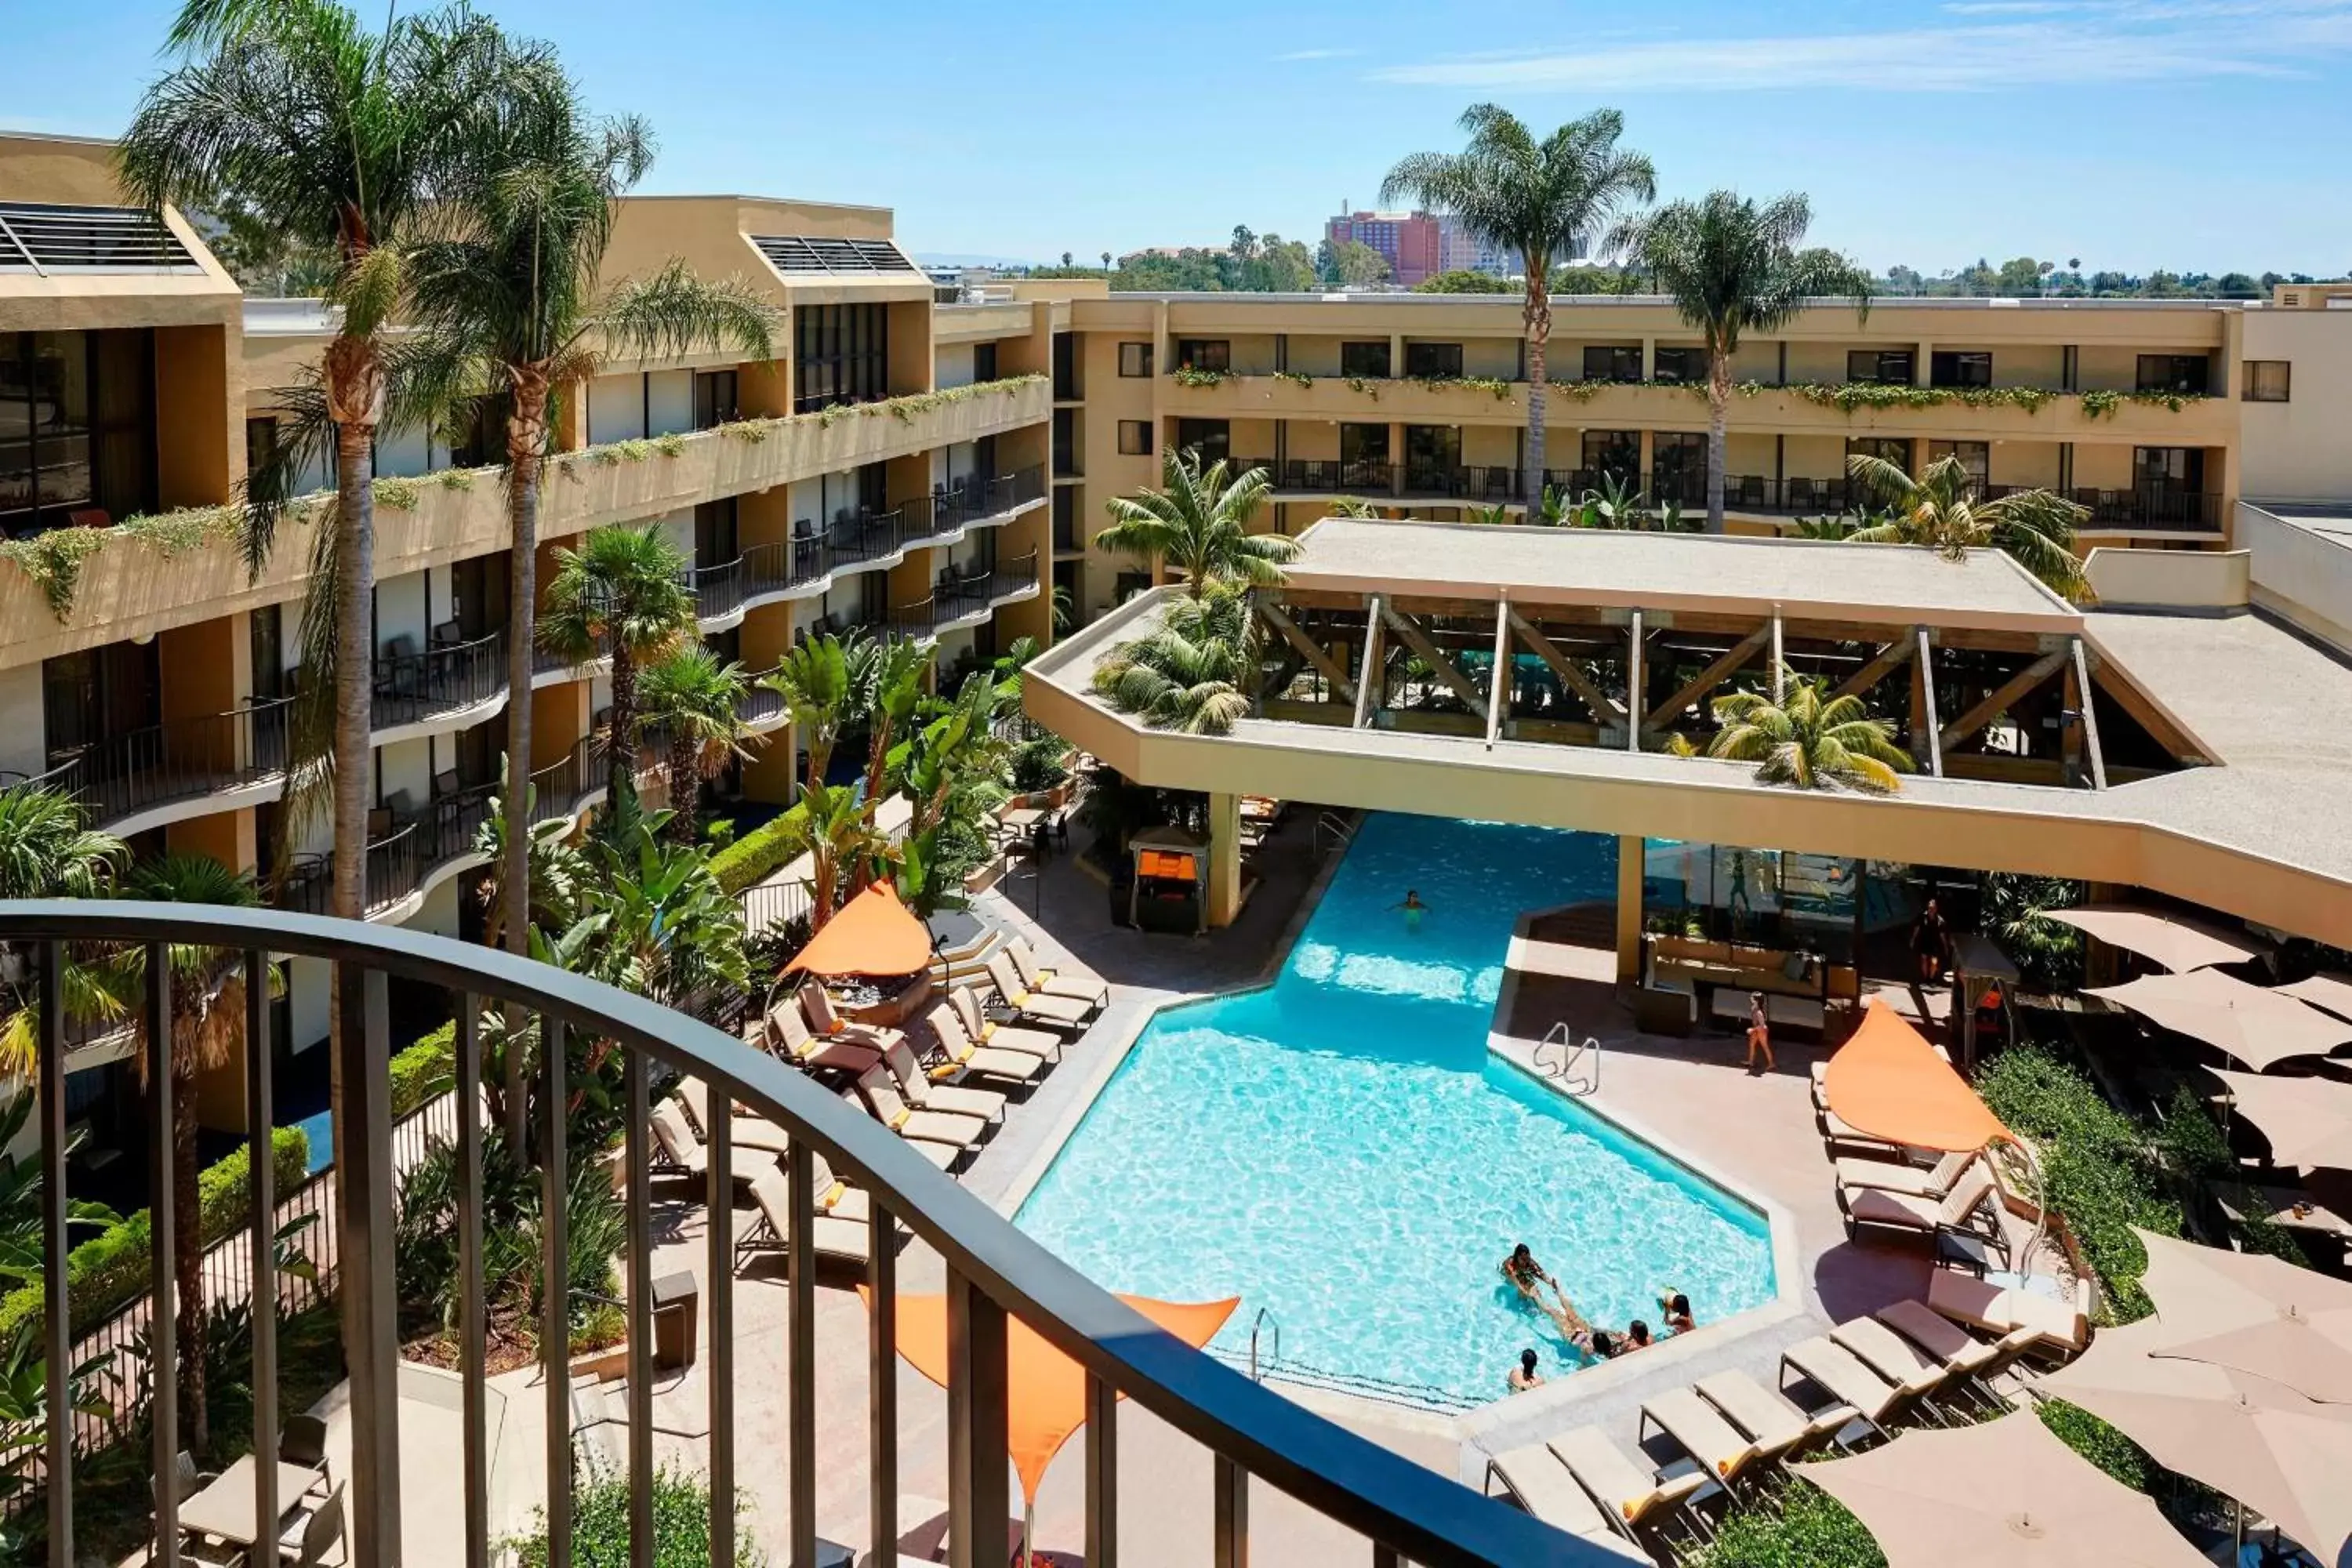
<point>207,1024</point>
<point>48,850</point>
<point>343,141</point>
<point>1734,266</point>
<point>1198,520</point>
<point>1942,511</point>
<point>1808,739</point>
<point>1536,199</point>
<point>833,831</point>
<point>509,310</point>
<point>1187,673</point>
<point>889,683</point>
<point>818,681</point>
<point>622,591</point>
<point>689,700</point>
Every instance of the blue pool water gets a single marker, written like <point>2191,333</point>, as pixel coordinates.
<point>1340,1150</point>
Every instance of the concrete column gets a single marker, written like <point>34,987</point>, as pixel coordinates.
<point>1923,358</point>
<point>1224,860</point>
<point>1629,908</point>
<point>1396,453</point>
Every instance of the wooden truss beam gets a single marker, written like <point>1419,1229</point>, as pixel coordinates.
<point>1887,661</point>
<point>1368,681</point>
<point>1441,664</point>
<point>2000,697</point>
<point>1312,651</point>
<point>1604,708</point>
<point>1708,679</point>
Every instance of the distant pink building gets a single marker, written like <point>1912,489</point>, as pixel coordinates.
<point>1412,244</point>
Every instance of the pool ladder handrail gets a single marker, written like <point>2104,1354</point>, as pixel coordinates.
<point>1338,825</point>
<point>1265,1319</point>
<point>1559,1055</point>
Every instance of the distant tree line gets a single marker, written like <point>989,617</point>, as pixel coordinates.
<point>2025,276</point>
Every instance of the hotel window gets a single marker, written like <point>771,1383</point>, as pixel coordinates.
<point>842,355</point>
<point>2168,468</point>
<point>1682,366</point>
<point>1363,444</point>
<point>1135,437</point>
<point>1888,449</point>
<point>984,361</point>
<point>1369,359</point>
<point>1618,364</point>
<point>714,398</point>
<point>1882,367</point>
<point>1204,353</point>
<point>261,441</point>
<point>76,427</point>
<point>1617,452</point>
<point>1134,359</point>
<point>1212,438</point>
<point>1433,360</point>
<point>1976,460</point>
<point>1948,367</point>
<point>2266,380</point>
<point>2188,374</point>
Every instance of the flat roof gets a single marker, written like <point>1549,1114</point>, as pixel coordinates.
<point>1805,579</point>
<point>1510,296</point>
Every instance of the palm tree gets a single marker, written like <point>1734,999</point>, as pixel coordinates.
<point>1808,739</point>
<point>818,681</point>
<point>49,851</point>
<point>1536,199</point>
<point>691,700</point>
<point>889,684</point>
<point>622,591</point>
<point>1198,521</point>
<point>207,1023</point>
<point>341,141</point>
<point>1734,266</point>
<point>832,830</point>
<point>1187,673</point>
<point>509,310</point>
<point>1942,511</point>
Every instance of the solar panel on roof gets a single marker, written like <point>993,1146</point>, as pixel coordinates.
<point>35,237</point>
<point>814,253</point>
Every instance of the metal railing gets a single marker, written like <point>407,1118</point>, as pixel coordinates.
<point>1472,483</point>
<point>1323,476</point>
<point>2145,506</point>
<point>393,873</point>
<point>184,759</point>
<point>1012,579</point>
<point>411,689</point>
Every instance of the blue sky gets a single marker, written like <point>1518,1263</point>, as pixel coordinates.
<point>2202,134</point>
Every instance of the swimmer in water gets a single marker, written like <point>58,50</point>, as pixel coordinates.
<point>1413,907</point>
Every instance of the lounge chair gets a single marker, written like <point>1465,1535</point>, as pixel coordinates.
<point>1778,1425</point>
<point>1048,982</point>
<point>771,1198</point>
<point>837,1198</point>
<point>939,1154</point>
<point>891,1109</point>
<point>1031,1007</point>
<point>743,1131</point>
<point>924,1095</point>
<point>1839,1135</point>
<point>1042,1043</point>
<point>1540,1484</point>
<point>1966,1357</point>
<point>1922,1216</point>
<point>1895,1358</point>
<point>824,1018</point>
<point>2053,1326</point>
<point>1847,1380</point>
<point>790,1037</point>
<point>1633,1496</point>
<point>966,1057</point>
<point>1933,1184</point>
<point>1700,1430</point>
<point>678,1152</point>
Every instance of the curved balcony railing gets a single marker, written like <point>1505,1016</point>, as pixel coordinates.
<point>184,759</point>
<point>759,704</point>
<point>1012,579</point>
<point>413,689</point>
<point>992,1274</point>
<point>1320,475</point>
<point>394,872</point>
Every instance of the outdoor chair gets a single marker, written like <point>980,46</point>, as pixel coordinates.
<point>1776,1424</point>
<point>1959,1351</point>
<point>1698,1429</point>
<point>322,1533</point>
<point>964,1057</point>
<point>1541,1485</point>
<point>971,1011</point>
<point>679,1153</point>
<point>941,1157</point>
<point>1030,1007</point>
<point>826,1020</point>
<point>924,1095</point>
<point>1837,1372</point>
<point>890,1109</point>
<point>1897,1360</point>
<point>302,1440</point>
<point>1933,1184</point>
<point>1052,982</point>
<point>1633,1496</point>
<point>743,1131</point>
<point>832,1237</point>
<point>789,1036</point>
<point>1955,1212</point>
<point>2057,1327</point>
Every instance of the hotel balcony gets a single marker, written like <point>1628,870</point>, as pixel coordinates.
<point>967,599</point>
<point>184,767</point>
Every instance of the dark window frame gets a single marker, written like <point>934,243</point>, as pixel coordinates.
<point>1882,367</point>
<point>1366,357</point>
<point>1137,355</point>
<point>1135,437</point>
<point>1619,364</point>
<point>2185,375</point>
<point>1205,354</point>
<point>1959,367</point>
<point>114,446</point>
<point>841,355</point>
<point>2255,391</point>
<point>1690,365</point>
<point>1432,360</point>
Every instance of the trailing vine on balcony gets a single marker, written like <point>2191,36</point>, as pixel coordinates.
<point>1296,378</point>
<point>1194,375</point>
<point>53,561</point>
<point>1493,384</point>
<point>397,494</point>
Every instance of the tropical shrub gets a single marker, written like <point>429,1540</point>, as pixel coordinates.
<point>2048,953</point>
<point>1187,673</point>
<point>1808,738</point>
<point>425,1069</point>
<point>754,854</point>
<point>600,1525</point>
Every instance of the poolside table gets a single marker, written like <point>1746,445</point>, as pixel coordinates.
<point>224,1508</point>
<point>2277,1204</point>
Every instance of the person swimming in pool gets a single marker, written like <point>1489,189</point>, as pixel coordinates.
<point>1525,1376</point>
<point>1413,907</point>
<point>1677,1308</point>
<point>1524,1273</point>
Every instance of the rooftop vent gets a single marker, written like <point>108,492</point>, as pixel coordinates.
<point>43,239</point>
<point>795,252</point>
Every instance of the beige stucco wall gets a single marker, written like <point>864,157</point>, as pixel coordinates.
<point>2300,450</point>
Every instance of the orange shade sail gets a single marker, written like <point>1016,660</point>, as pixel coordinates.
<point>1047,1390</point>
<point>873,934</point>
<point>1888,1082</point>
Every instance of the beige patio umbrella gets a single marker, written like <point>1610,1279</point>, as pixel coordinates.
<point>2252,1313</point>
<point>2308,1120</point>
<point>2001,1494</point>
<point>2284,1455</point>
<point>2258,1026</point>
<point>2175,941</point>
<point>2333,992</point>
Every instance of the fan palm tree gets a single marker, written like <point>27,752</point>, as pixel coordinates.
<point>1187,673</point>
<point>1198,520</point>
<point>207,1024</point>
<point>1808,739</point>
<point>818,681</point>
<point>1942,511</point>
<point>49,851</point>
<point>343,141</point>
<point>832,830</point>
<point>689,701</point>
<point>622,591</point>
<point>1537,200</point>
<point>509,310</point>
<point>1734,266</point>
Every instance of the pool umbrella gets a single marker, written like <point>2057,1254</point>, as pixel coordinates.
<point>2005,1492</point>
<point>1047,1391</point>
<point>2263,1444</point>
<point>874,934</point>
<point>2258,1026</point>
<point>2333,992</point>
<point>2175,942</point>
<point>2250,1312</point>
<point>2308,1120</point>
<point>1886,1082</point>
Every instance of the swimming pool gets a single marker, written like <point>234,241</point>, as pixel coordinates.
<point>1340,1150</point>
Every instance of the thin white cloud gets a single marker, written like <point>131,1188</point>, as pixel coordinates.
<point>1317,55</point>
<point>2093,43</point>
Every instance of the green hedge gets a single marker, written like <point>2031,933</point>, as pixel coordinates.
<point>111,1268</point>
<point>757,853</point>
<point>423,1069</point>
